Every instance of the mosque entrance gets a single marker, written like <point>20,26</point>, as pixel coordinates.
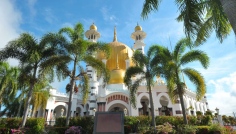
<point>164,109</point>
<point>118,108</point>
<point>78,111</point>
<point>144,110</point>
<point>59,111</point>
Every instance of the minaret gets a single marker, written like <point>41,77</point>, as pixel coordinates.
<point>92,33</point>
<point>138,36</point>
<point>92,36</point>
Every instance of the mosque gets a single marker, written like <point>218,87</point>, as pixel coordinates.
<point>115,96</point>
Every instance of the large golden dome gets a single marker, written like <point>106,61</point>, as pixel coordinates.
<point>117,76</point>
<point>116,63</point>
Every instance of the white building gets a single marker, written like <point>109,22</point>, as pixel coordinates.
<point>115,96</point>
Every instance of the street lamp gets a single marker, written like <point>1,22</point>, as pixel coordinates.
<point>29,114</point>
<point>156,111</point>
<point>62,112</point>
<point>217,110</point>
<point>94,111</point>
<point>125,111</point>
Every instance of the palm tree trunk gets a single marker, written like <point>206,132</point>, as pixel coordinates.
<point>151,103</point>
<point>229,7</point>
<point>70,102</point>
<point>183,108</point>
<point>71,92</point>
<point>18,113</point>
<point>26,109</point>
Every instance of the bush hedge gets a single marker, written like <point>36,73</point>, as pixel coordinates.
<point>32,126</point>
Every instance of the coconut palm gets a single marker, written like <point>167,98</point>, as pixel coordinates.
<point>200,17</point>
<point>146,68</point>
<point>172,71</point>
<point>8,82</point>
<point>80,51</point>
<point>37,59</point>
<point>230,11</point>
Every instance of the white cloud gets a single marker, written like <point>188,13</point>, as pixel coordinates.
<point>10,19</point>
<point>32,9</point>
<point>224,94</point>
<point>49,16</point>
<point>107,16</point>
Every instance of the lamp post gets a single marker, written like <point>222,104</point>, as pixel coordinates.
<point>29,114</point>
<point>156,111</point>
<point>62,112</point>
<point>94,111</point>
<point>125,111</point>
<point>217,111</point>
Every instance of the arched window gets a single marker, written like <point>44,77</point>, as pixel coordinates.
<point>136,37</point>
<point>139,37</point>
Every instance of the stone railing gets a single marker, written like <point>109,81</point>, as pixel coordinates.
<point>108,91</point>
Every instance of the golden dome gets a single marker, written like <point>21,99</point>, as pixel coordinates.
<point>117,76</point>
<point>116,63</point>
<point>93,27</point>
<point>138,28</point>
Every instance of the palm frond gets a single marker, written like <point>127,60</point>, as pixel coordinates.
<point>195,55</point>
<point>148,6</point>
<point>130,72</point>
<point>139,59</point>
<point>79,30</point>
<point>99,66</point>
<point>67,30</point>
<point>133,91</point>
<point>219,19</point>
<point>198,80</point>
<point>191,13</point>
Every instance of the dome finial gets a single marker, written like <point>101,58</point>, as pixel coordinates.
<point>115,38</point>
<point>117,63</point>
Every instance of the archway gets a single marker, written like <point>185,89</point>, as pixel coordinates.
<point>144,110</point>
<point>60,111</point>
<point>165,110</point>
<point>78,112</point>
<point>118,107</point>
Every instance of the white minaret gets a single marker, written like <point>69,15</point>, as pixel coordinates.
<point>138,36</point>
<point>92,36</point>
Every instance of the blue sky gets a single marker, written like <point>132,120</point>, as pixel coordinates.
<point>41,16</point>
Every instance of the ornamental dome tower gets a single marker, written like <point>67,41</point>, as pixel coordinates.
<point>117,62</point>
<point>92,34</point>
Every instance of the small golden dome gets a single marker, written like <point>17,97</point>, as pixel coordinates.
<point>93,27</point>
<point>117,76</point>
<point>138,28</point>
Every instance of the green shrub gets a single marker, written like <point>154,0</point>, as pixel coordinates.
<point>216,127</point>
<point>60,122</point>
<point>35,125</point>
<point>13,123</point>
<point>206,120</point>
<point>202,129</point>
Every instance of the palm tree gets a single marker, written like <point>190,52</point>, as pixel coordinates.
<point>172,63</point>
<point>146,68</point>
<point>37,60</point>
<point>200,17</point>
<point>230,11</point>
<point>79,51</point>
<point>8,82</point>
<point>40,96</point>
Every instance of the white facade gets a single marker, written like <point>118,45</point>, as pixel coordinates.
<point>115,96</point>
